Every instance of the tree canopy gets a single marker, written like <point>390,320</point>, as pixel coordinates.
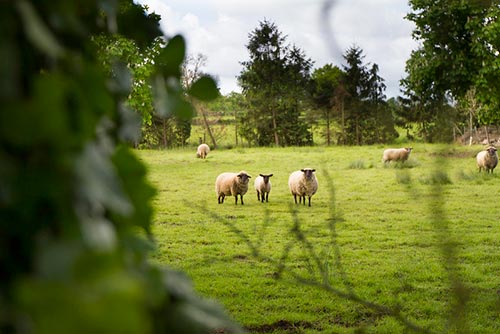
<point>274,82</point>
<point>459,46</point>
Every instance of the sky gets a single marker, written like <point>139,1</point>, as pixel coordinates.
<point>219,29</point>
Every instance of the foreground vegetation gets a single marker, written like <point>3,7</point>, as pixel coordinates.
<point>381,248</point>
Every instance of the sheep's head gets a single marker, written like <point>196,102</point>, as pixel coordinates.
<point>308,172</point>
<point>408,149</point>
<point>266,177</point>
<point>491,150</point>
<point>243,177</point>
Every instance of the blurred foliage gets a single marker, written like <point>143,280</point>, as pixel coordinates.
<point>75,212</point>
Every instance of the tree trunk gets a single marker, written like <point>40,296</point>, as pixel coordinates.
<point>357,131</point>
<point>207,126</point>
<point>470,127</point>
<point>328,135</point>
<point>164,133</point>
<point>275,129</point>
<point>235,129</point>
<point>343,120</point>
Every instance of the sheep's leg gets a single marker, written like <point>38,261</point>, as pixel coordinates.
<point>303,197</point>
<point>295,198</point>
<point>258,196</point>
<point>235,199</point>
<point>267,197</point>
<point>309,200</point>
<point>241,197</point>
<point>220,199</point>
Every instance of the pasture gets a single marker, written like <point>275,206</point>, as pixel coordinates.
<point>381,249</point>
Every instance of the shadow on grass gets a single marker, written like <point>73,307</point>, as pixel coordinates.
<point>322,269</point>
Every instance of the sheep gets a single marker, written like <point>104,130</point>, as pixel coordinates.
<point>303,183</point>
<point>202,151</point>
<point>233,184</point>
<point>262,185</point>
<point>487,159</point>
<point>396,154</point>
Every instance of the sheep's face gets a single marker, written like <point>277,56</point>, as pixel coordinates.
<point>408,149</point>
<point>243,177</point>
<point>492,150</point>
<point>308,172</point>
<point>266,177</point>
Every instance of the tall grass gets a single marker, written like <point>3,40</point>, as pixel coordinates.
<point>382,249</point>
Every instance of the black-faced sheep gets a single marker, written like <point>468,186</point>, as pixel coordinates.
<point>303,183</point>
<point>396,154</point>
<point>262,185</point>
<point>231,184</point>
<point>202,151</point>
<point>487,159</point>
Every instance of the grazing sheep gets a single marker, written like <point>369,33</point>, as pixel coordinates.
<point>487,159</point>
<point>263,187</point>
<point>202,151</point>
<point>303,183</point>
<point>231,184</point>
<point>396,154</point>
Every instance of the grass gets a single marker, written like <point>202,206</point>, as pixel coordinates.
<point>381,249</point>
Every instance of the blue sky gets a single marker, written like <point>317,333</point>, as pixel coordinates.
<point>219,30</point>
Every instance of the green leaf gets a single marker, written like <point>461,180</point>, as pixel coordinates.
<point>37,31</point>
<point>168,100</point>
<point>172,56</point>
<point>132,174</point>
<point>204,89</point>
<point>99,184</point>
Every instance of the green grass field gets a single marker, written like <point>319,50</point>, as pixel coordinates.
<point>381,249</point>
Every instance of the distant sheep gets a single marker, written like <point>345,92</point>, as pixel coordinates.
<point>231,184</point>
<point>202,151</point>
<point>487,159</point>
<point>303,183</point>
<point>262,185</point>
<point>396,154</point>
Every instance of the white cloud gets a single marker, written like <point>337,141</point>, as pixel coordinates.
<point>219,29</point>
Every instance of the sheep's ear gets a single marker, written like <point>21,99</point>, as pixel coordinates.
<point>270,175</point>
<point>302,170</point>
<point>261,175</point>
<point>313,170</point>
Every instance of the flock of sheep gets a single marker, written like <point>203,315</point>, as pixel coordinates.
<point>303,183</point>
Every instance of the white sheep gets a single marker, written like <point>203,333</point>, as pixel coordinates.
<point>396,154</point>
<point>303,183</point>
<point>487,159</point>
<point>231,184</point>
<point>202,151</point>
<point>262,185</point>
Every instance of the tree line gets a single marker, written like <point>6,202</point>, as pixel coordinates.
<point>284,96</point>
<point>450,86</point>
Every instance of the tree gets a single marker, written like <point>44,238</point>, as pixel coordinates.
<point>327,94</point>
<point>274,83</point>
<point>192,72</point>
<point>75,203</point>
<point>368,120</point>
<point>115,51</point>
<point>459,43</point>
